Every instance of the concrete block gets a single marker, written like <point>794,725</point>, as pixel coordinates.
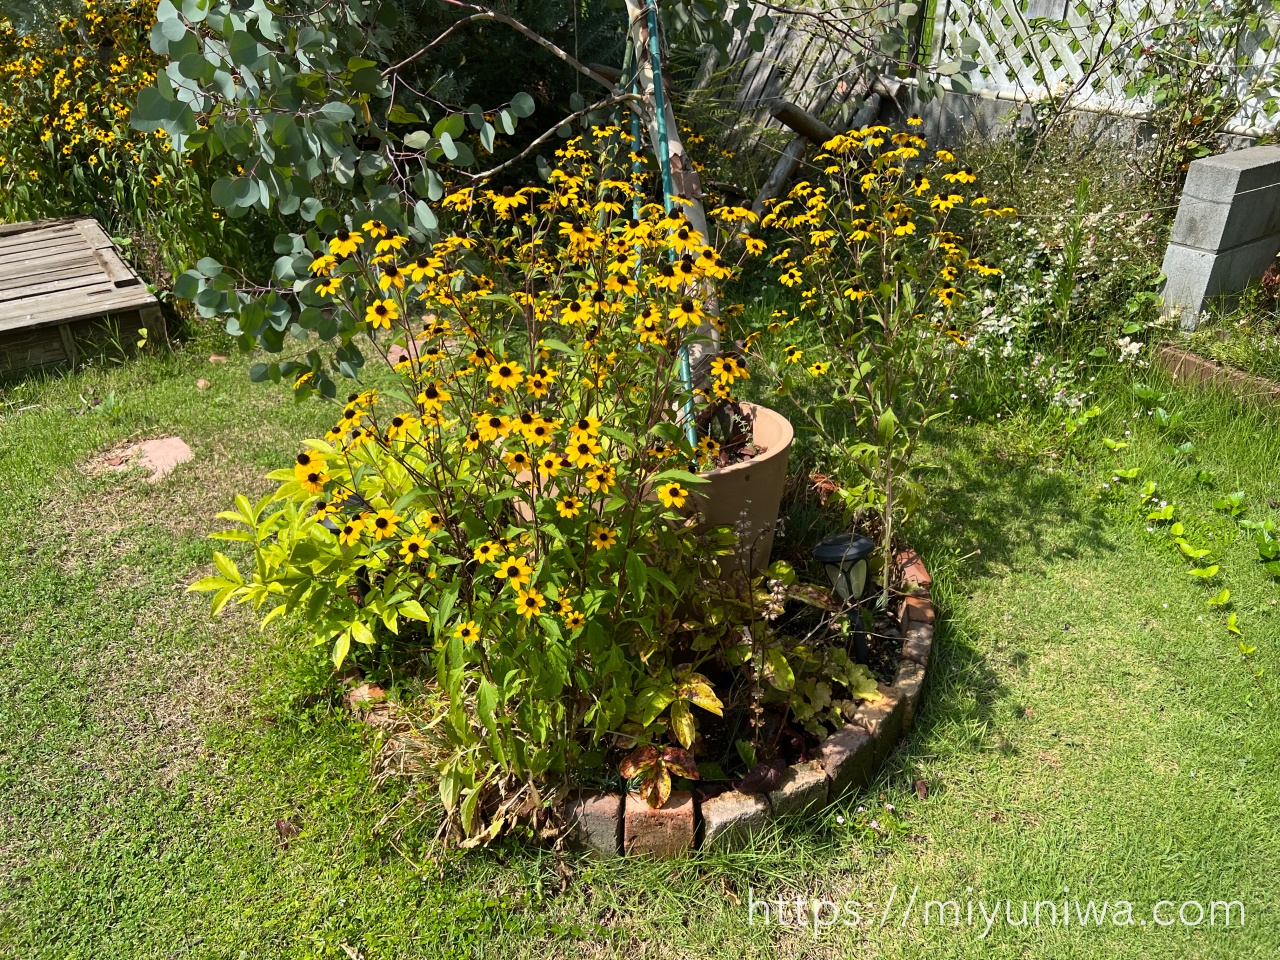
<point>917,646</point>
<point>1226,174</point>
<point>665,832</point>
<point>730,819</point>
<point>803,790</point>
<point>848,760</point>
<point>595,823</point>
<point>1197,278</point>
<point>1227,230</point>
<point>1236,268</point>
<point>1200,223</point>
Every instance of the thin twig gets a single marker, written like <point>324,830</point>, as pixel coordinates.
<point>599,105</point>
<point>482,13</point>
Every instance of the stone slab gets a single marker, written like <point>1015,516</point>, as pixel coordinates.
<point>731,819</point>
<point>162,456</point>
<point>803,790</point>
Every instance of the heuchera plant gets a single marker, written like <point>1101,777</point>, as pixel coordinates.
<point>515,501</point>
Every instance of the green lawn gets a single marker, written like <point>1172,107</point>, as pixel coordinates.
<point>1088,723</point>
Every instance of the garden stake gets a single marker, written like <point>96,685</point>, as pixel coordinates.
<point>668,190</point>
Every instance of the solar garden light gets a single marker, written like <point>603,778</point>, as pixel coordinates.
<point>844,557</point>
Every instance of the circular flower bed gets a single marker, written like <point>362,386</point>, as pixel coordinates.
<point>609,823</point>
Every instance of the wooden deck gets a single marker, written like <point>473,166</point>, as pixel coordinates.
<point>64,289</point>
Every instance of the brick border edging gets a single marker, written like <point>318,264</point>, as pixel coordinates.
<point>609,824</point>
<point>1183,365</point>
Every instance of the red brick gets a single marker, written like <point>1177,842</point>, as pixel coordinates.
<point>913,569</point>
<point>916,610</point>
<point>594,823</point>
<point>665,832</point>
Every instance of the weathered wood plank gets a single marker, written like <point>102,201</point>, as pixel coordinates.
<point>33,289</point>
<point>75,306</point>
<point>64,290</point>
<point>31,251</point>
<point>31,348</point>
<point>28,226</point>
<point>68,342</point>
<point>37,267</point>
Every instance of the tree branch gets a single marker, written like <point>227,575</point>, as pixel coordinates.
<point>483,14</point>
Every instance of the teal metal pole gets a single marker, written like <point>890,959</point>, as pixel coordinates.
<point>668,191</point>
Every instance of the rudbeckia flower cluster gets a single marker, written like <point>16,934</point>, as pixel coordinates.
<point>519,483</point>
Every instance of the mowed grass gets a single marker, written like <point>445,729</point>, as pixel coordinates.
<point>174,786</point>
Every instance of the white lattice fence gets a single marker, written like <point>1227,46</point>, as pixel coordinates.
<point>1061,46</point>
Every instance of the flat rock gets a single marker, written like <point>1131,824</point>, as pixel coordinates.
<point>158,457</point>
<point>161,456</point>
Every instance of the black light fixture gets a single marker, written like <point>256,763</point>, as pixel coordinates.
<point>844,557</point>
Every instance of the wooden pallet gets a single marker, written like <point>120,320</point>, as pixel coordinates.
<point>64,291</point>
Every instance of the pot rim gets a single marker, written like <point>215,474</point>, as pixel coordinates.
<point>788,437</point>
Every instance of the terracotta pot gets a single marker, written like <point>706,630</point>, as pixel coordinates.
<point>748,495</point>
